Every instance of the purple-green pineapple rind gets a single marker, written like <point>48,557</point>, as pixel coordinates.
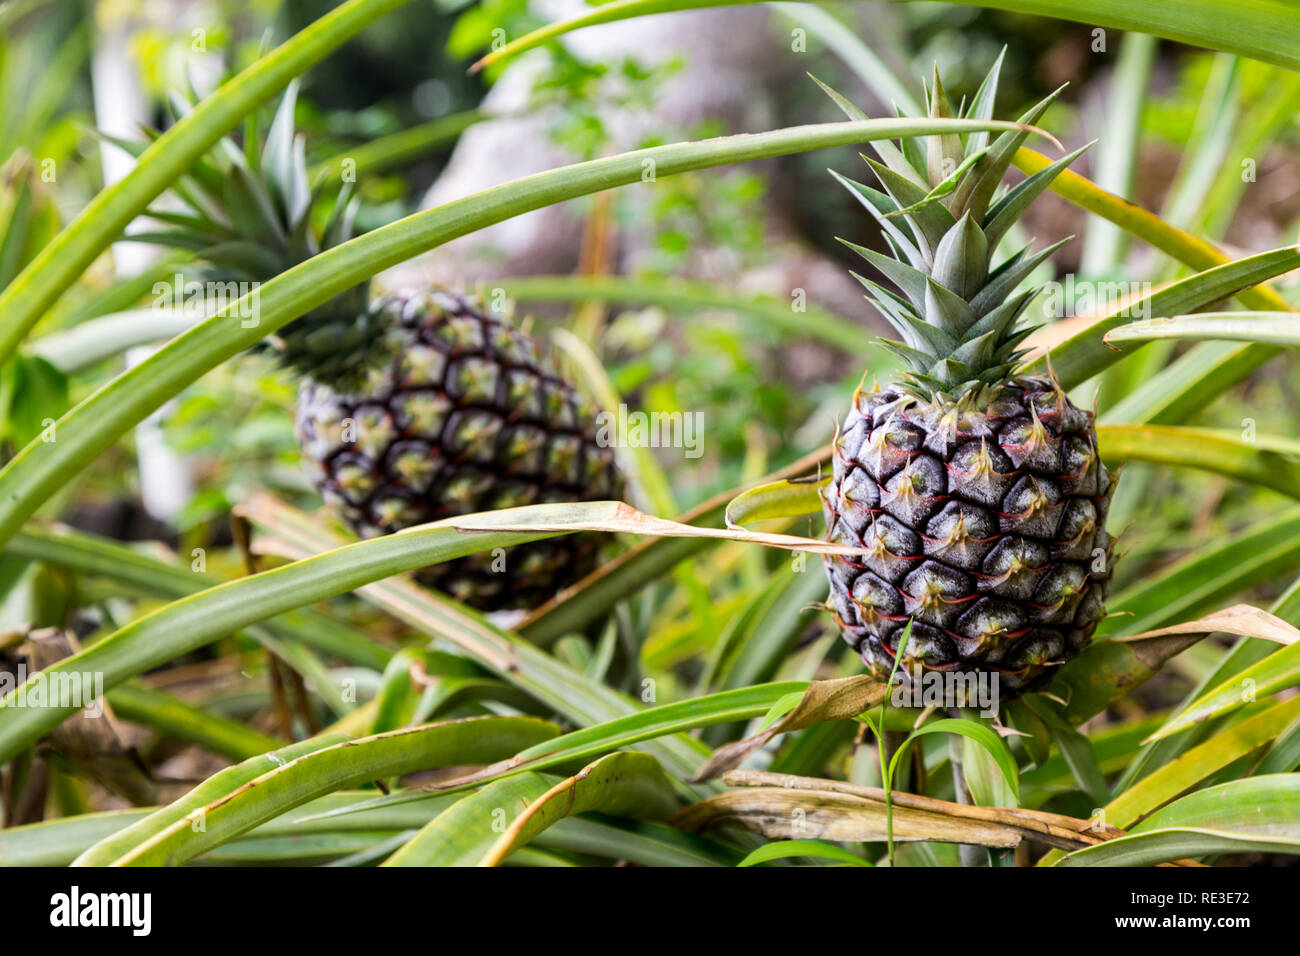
<point>987,531</point>
<point>465,416</point>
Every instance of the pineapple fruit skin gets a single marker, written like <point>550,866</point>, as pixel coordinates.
<point>461,414</point>
<point>984,527</point>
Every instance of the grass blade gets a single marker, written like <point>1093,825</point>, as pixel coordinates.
<point>167,840</point>
<point>122,840</point>
<point>806,849</point>
<point>621,784</point>
<point>178,720</point>
<point>972,730</point>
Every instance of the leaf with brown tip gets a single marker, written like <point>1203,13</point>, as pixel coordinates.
<point>823,700</point>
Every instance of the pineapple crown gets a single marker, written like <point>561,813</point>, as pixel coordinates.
<point>249,215</point>
<point>958,314</point>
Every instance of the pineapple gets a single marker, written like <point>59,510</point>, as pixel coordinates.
<point>977,493</point>
<point>414,407</point>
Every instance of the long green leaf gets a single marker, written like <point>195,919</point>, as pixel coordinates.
<point>146,574</point>
<point>1273,328</point>
<point>1177,243</point>
<point>620,784</point>
<point>170,842</point>
<point>1160,846</point>
<point>93,425</point>
<point>1263,29</point>
<point>695,296</point>
<point>1192,381</point>
<point>1107,670</point>
<point>1278,671</point>
<point>463,833</point>
<point>1263,803</point>
<point>630,571</point>
<point>58,842</point>
<point>588,742</point>
<point>1211,574</point>
<point>114,844</point>
<point>1245,653</point>
<point>1258,814</point>
<point>1268,462</point>
<point>396,149</point>
<point>197,620</point>
<point>26,299</point>
<point>1085,353</point>
<point>515,660</point>
<point>1161,786</point>
<point>180,721</point>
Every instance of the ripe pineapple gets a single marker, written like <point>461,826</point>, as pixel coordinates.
<point>979,493</point>
<point>418,406</point>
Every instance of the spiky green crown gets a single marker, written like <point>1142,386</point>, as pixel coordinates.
<point>250,213</point>
<point>958,314</point>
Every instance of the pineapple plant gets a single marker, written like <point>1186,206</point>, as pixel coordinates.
<point>694,690</point>
<point>413,406</point>
<point>978,493</point>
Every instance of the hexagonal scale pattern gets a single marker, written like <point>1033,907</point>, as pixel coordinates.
<point>989,536</point>
<point>463,415</point>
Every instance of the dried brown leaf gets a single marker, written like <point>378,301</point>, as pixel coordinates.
<point>785,806</point>
<point>1240,619</point>
<point>823,700</point>
<point>623,518</point>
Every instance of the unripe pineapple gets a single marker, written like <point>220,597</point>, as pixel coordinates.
<point>414,407</point>
<point>978,493</point>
